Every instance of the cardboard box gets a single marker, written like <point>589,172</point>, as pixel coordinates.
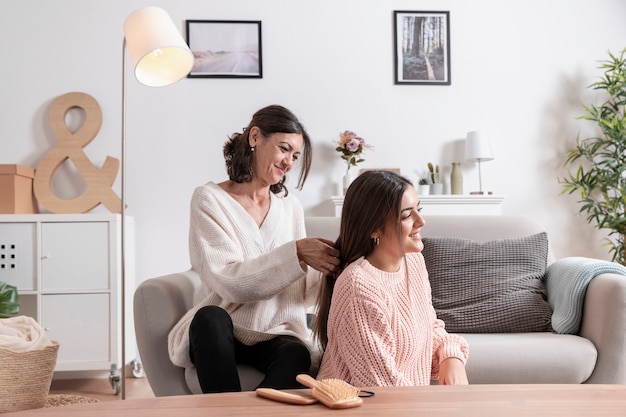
<point>16,190</point>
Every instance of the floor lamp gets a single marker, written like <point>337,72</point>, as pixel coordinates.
<point>478,149</point>
<point>159,57</point>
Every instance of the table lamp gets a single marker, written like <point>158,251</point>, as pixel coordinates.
<point>159,57</point>
<point>478,149</point>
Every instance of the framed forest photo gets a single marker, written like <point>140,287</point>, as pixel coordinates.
<point>225,48</point>
<point>422,47</point>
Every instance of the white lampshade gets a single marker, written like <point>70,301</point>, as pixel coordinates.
<point>478,146</point>
<point>158,53</point>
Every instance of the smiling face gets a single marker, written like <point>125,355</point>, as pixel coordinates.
<point>274,155</point>
<point>392,247</point>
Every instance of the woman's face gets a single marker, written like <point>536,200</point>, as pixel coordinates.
<point>274,155</point>
<point>411,223</point>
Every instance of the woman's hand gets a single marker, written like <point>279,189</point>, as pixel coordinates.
<point>452,372</point>
<point>319,254</point>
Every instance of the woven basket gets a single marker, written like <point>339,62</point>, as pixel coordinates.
<point>25,377</point>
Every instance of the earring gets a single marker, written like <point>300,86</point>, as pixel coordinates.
<point>376,240</point>
<point>252,148</point>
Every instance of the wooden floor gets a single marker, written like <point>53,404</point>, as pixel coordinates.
<point>101,388</point>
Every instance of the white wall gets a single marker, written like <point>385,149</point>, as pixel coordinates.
<point>519,71</point>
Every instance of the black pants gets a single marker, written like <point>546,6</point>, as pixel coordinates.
<point>215,353</point>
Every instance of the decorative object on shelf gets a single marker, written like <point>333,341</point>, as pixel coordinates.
<point>16,190</point>
<point>600,174</point>
<point>478,149</point>
<point>70,148</point>
<point>436,187</point>
<point>423,188</point>
<point>456,179</point>
<point>347,179</point>
<point>159,57</point>
<point>351,146</point>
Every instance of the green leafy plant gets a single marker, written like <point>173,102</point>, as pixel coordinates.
<point>9,300</point>
<point>600,161</point>
<point>435,177</point>
<point>423,181</point>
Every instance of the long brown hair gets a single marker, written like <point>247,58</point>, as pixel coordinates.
<point>270,119</point>
<point>372,200</point>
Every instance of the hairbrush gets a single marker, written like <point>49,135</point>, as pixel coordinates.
<point>333,393</point>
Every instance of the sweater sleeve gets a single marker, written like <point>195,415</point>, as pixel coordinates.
<point>446,345</point>
<point>233,257</point>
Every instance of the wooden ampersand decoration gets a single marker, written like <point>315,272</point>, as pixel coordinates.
<point>70,146</point>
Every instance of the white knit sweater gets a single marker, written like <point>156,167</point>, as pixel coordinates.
<point>251,272</point>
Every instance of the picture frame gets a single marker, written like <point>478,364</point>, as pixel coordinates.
<point>225,48</point>
<point>422,47</point>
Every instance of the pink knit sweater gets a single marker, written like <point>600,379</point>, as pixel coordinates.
<point>380,334</point>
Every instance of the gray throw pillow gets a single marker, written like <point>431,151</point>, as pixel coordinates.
<point>489,287</point>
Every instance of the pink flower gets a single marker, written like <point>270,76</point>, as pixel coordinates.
<point>351,145</point>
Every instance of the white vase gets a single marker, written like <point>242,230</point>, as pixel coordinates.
<point>423,189</point>
<point>347,180</point>
<point>436,188</point>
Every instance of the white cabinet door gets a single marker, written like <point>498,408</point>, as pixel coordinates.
<point>17,255</point>
<point>75,256</point>
<point>81,325</point>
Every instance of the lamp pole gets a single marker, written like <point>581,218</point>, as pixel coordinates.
<point>160,57</point>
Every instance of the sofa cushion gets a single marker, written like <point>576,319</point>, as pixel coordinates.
<point>489,287</point>
<point>529,358</point>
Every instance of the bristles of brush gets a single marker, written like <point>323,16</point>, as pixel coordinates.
<point>333,393</point>
<point>336,389</point>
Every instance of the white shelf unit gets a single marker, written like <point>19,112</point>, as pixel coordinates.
<point>67,268</point>
<point>450,205</point>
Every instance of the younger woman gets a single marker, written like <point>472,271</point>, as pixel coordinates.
<point>380,329</point>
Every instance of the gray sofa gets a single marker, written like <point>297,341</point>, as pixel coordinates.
<point>595,354</point>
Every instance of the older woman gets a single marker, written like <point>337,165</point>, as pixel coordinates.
<point>247,242</point>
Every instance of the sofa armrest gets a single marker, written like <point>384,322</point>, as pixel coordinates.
<point>158,305</point>
<point>604,323</point>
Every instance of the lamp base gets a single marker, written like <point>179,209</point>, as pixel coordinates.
<point>481,193</point>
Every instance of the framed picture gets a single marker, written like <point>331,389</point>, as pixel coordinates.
<point>225,48</point>
<point>422,47</point>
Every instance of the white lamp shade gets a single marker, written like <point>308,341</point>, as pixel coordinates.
<point>478,146</point>
<point>157,51</point>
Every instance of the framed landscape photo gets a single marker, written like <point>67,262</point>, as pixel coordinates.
<point>225,48</point>
<point>422,47</point>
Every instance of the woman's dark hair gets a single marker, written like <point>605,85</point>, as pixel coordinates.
<point>373,199</point>
<point>270,119</point>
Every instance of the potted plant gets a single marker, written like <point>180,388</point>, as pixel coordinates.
<point>600,161</point>
<point>9,301</point>
<point>436,187</point>
<point>423,187</point>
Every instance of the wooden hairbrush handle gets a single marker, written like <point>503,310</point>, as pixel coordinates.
<point>285,397</point>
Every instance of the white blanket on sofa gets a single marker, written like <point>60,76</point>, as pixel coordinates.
<point>22,334</point>
<point>566,283</point>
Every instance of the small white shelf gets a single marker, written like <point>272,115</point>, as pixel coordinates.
<point>450,205</point>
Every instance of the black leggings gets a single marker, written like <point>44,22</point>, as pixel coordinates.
<point>215,353</point>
